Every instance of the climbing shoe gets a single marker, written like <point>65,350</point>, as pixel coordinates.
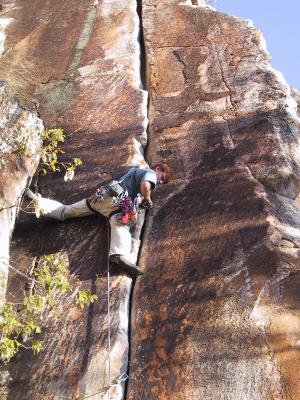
<point>125,264</point>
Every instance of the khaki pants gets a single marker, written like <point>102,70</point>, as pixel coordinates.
<point>124,239</point>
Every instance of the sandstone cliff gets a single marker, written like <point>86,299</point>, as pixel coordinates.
<point>19,156</point>
<point>216,315</point>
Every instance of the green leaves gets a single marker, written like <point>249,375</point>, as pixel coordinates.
<point>33,303</point>
<point>28,329</point>
<point>54,136</point>
<point>8,348</point>
<point>51,151</point>
<point>84,298</point>
<point>21,323</point>
<point>77,162</point>
<point>37,346</point>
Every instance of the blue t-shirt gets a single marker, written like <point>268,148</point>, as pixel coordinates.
<point>131,181</point>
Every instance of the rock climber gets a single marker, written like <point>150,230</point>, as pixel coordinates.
<point>123,202</point>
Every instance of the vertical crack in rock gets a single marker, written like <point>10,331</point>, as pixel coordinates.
<point>143,78</point>
<point>96,73</point>
<point>210,248</point>
<point>129,340</point>
<point>139,6</point>
<point>224,80</point>
<point>204,250</point>
<point>180,60</point>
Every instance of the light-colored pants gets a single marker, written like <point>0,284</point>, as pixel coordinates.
<point>124,238</point>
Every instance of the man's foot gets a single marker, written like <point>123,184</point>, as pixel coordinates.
<point>127,265</point>
<point>30,195</point>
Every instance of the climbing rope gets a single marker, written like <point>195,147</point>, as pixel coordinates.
<point>14,269</point>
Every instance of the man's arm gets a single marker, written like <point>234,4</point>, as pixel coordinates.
<point>146,193</point>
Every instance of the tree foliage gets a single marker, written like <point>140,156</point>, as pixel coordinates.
<point>51,151</point>
<point>21,323</point>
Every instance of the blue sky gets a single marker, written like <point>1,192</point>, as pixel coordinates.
<point>280,25</point>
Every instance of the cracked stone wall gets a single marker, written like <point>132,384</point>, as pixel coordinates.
<point>78,65</point>
<point>216,314</point>
<point>222,251</point>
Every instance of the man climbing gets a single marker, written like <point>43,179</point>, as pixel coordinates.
<point>123,202</point>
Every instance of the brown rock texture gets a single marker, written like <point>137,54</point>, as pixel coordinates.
<point>78,64</point>
<point>19,156</point>
<point>217,314</point>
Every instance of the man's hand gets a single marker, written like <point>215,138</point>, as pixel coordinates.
<point>147,204</point>
<point>146,193</point>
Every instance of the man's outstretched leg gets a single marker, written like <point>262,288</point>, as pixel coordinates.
<point>54,209</point>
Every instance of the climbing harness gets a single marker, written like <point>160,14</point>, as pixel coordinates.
<point>129,208</point>
<point>115,189</point>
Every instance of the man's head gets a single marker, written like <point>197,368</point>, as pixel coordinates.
<point>163,172</point>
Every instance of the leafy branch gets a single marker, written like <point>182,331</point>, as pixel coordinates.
<point>50,154</point>
<point>50,160</point>
<point>21,323</point>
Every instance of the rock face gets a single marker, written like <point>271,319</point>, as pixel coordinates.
<point>79,65</point>
<point>19,156</point>
<point>216,315</point>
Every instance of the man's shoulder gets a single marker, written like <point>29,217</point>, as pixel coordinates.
<point>150,176</point>
<point>138,172</point>
<point>144,171</point>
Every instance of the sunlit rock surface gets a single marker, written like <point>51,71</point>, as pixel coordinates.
<point>19,156</point>
<point>217,314</point>
<point>78,64</point>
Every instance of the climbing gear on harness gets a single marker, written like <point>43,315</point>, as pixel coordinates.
<point>115,189</point>
<point>99,194</point>
<point>133,269</point>
<point>129,208</point>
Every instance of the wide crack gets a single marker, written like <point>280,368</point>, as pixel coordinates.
<point>143,77</point>
<point>139,9</point>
